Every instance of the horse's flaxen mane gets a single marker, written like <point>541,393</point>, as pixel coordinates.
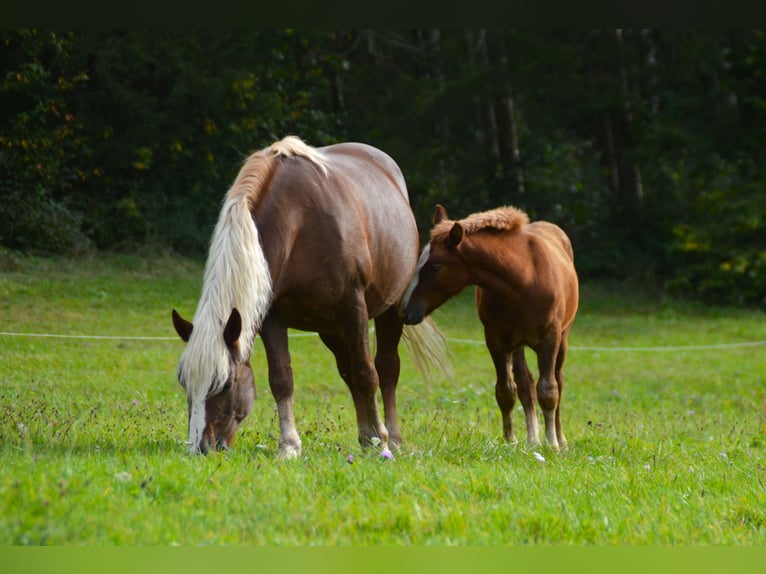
<point>259,167</point>
<point>292,146</point>
<point>236,273</point>
<point>500,219</point>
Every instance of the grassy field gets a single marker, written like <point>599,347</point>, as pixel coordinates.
<point>667,447</point>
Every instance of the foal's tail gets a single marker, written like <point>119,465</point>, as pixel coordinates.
<point>427,348</point>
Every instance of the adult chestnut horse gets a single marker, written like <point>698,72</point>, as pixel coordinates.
<point>317,239</point>
<point>526,295</point>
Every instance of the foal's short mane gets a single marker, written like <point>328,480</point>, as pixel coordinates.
<point>500,219</point>
<point>236,272</point>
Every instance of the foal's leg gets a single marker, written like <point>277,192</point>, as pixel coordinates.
<point>281,384</point>
<point>560,379</point>
<point>388,332</point>
<point>505,387</point>
<point>547,387</point>
<point>525,387</point>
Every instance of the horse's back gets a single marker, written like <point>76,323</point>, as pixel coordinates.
<point>561,272</point>
<point>351,228</point>
<point>378,190</point>
<point>552,234</point>
<point>551,290</point>
<point>355,155</point>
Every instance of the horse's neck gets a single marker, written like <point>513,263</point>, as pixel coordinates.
<point>499,264</point>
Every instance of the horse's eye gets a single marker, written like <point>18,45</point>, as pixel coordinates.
<point>434,268</point>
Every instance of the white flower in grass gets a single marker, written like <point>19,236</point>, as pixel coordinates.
<point>375,441</point>
<point>122,476</point>
<point>538,456</point>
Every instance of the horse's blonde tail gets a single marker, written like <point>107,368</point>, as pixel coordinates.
<point>427,347</point>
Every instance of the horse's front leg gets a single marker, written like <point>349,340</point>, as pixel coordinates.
<point>362,377</point>
<point>281,384</point>
<point>388,332</point>
<point>548,394</point>
<point>505,387</point>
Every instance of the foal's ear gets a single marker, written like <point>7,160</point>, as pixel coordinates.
<point>232,329</point>
<point>455,235</point>
<point>440,214</point>
<point>183,327</point>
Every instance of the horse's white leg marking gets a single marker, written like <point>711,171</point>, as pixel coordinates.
<point>550,420</point>
<point>196,425</point>
<point>533,430</point>
<point>414,283</point>
<point>289,441</point>
<point>547,387</point>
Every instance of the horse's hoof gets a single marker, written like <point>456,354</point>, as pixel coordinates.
<point>289,452</point>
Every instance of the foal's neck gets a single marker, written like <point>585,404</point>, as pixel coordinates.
<point>500,263</point>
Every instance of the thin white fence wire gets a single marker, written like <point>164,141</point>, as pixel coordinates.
<point>451,340</point>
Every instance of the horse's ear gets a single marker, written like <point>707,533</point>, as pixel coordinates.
<point>440,214</point>
<point>233,328</point>
<point>183,327</point>
<point>455,235</point>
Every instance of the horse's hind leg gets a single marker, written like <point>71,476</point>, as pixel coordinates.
<point>281,384</point>
<point>560,380</point>
<point>352,351</point>
<point>339,349</point>
<point>388,332</point>
<point>548,387</point>
<point>525,387</point>
<point>505,387</point>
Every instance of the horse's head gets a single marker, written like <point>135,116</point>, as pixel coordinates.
<point>215,425</point>
<point>440,273</point>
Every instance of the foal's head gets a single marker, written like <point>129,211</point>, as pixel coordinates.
<point>440,273</point>
<point>225,409</point>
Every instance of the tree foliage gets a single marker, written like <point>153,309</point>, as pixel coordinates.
<point>643,144</point>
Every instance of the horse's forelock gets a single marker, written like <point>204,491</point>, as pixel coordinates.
<point>236,276</point>
<point>204,364</point>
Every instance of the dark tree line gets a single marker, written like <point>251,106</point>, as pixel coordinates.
<point>645,145</point>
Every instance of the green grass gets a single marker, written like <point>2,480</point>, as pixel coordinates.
<point>666,447</point>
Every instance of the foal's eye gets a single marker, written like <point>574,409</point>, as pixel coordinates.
<point>434,268</point>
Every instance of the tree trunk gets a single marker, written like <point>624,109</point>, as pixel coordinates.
<point>492,131</point>
<point>633,171</point>
<point>514,161</point>
<point>442,121</point>
<point>611,153</point>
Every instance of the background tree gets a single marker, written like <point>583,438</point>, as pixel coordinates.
<point>643,144</point>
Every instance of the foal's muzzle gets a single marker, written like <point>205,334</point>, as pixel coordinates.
<point>413,315</point>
